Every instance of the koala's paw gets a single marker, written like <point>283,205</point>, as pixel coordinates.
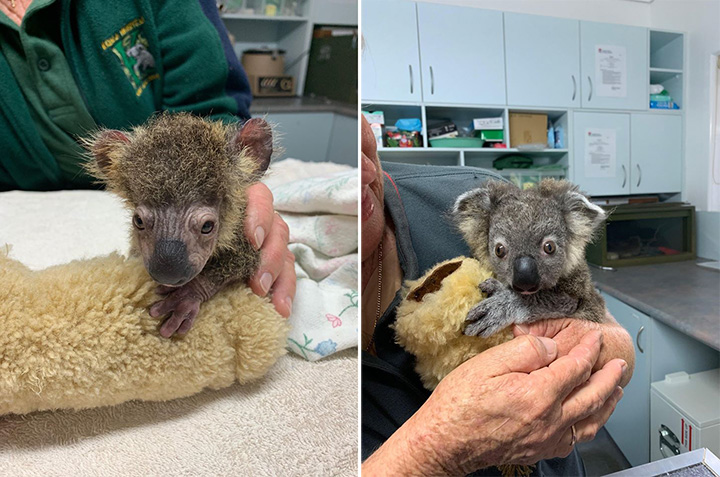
<point>490,315</point>
<point>183,303</point>
<point>490,286</point>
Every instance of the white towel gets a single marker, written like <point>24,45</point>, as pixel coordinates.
<point>319,202</point>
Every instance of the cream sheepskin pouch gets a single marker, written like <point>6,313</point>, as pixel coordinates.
<point>431,318</point>
<point>79,335</point>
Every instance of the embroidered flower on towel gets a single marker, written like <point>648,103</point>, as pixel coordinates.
<point>326,347</point>
<point>335,320</point>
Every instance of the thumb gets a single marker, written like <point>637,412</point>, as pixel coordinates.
<point>523,354</point>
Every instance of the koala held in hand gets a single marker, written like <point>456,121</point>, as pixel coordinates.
<point>534,241</point>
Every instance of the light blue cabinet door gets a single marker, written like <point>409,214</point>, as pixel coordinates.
<point>617,80</point>
<point>630,422</point>
<point>656,153</point>
<point>543,61</point>
<point>390,58</point>
<point>461,51</point>
<point>601,147</point>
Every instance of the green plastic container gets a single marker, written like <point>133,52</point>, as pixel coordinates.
<point>468,142</point>
<point>490,135</point>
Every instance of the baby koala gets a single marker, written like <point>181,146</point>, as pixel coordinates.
<point>534,241</point>
<point>185,179</point>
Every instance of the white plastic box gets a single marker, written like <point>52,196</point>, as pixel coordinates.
<point>685,414</point>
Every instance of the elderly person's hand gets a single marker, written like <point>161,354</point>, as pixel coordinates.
<point>270,234</point>
<point>567,332</point>
<point>514,403</point>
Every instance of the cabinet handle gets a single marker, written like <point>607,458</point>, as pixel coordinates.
<point>637,339</point>
<point>668,439</point>
<point>639,175</point>
<point>591,88</point>
<point>574,87</point>
<point>432,81</point>
<point>624,176</point>
<point>411,79</point>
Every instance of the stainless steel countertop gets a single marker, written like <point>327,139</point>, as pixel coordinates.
<point>297,104</point>
<point>682,295</point>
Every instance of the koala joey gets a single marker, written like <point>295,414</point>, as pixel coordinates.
<point>534,241</point>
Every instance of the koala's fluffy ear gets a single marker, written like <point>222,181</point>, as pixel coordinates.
<point>106,148</point>
<point>472,211</point>
<point>255,137</point>
<point>481,201</point>
<point>582,217</point>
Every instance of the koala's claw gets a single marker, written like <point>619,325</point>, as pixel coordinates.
<point>184,304</point>
<point>490,286</point>
<point>493,313</point>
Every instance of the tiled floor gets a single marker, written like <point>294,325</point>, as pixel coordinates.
<point>602,456</point>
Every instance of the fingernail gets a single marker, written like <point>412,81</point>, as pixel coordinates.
<point>259,237</point>
<point>619,391</point>
<point>522,329</point>
<point>266,282</point>
<point>288,302</point>
<point>549,344</point>
<point>623,365</point>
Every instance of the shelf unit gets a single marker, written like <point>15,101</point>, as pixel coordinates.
<point>462,116</point>
<point>666,63</point>
<point>290,29</point>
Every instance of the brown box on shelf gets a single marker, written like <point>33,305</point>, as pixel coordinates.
<point>528,128</point>
<point>272,85</point>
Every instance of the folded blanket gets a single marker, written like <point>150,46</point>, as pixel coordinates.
<point>319,202</point>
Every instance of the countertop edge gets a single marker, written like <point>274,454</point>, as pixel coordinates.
<point>656,314</point>
<point>302,105</point>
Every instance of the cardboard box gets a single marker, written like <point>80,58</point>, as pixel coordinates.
<point>272,85</point>
<point>487,123</point>
<point>528,128</point>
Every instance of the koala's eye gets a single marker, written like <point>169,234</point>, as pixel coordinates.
<point>138,222</point>
<point>207,227</point>
<point>500,250</point>
<point>549,247</point>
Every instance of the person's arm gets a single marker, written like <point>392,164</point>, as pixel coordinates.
<point>201,73</point>
<point>567,332</point>
<point>513,404</point>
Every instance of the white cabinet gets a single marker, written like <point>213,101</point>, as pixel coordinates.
<point>656,152</point>
<point>659,350</point>
<point>390,57</point>
<point>601,169</point>
<point>642,153</point>
<point>543,61</point>
<point>614,66</point>
<point>629,422</point>
<point>461,51</point>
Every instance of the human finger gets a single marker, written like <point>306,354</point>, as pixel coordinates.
<point>259,215</point>
<point>588,398</point>
<point>272,257</point>
<point>283,291</point>
<point>588,427</point>
<point>523,354</point>
<point>570,371</point>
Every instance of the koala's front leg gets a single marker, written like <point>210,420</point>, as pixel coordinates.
<point>499,310</point>
<point>505,307</point>
<point>183,303</point>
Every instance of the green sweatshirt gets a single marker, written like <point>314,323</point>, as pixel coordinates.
<point>75,65</point>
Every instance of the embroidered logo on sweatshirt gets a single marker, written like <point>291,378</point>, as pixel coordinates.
<point>130,46</point>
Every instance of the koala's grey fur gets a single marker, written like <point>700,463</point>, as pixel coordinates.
<point>522,221</point>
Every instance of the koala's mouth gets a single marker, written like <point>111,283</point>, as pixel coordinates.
<point>526,291</point>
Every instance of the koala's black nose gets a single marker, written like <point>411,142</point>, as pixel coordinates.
<point>525,275</point>
<point>169,264</point>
